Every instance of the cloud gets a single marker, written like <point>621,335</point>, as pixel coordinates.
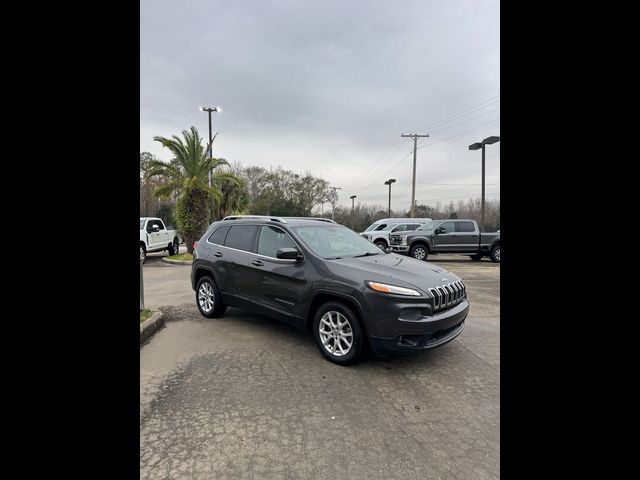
<point>329,87</point>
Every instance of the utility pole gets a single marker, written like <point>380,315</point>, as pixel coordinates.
<point>210,111</point>
<point>353,211</point>
<point>415,137</point>
<point>334,196</point>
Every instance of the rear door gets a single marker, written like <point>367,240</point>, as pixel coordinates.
<point>239,247</point>
<point>468,236</point>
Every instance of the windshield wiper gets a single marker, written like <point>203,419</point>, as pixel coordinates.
<point>366,254</point>
<point>332,258</point>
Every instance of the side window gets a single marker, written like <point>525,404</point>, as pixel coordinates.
<point>465,227</point>
<point>219,235</point>
<point>272,239</point>
<point>400,228</point>
<point>448,227</point>
<point>160,224</point>
<point>241,237</point>
<point>153,223</point>
<point>412,226</point>
<point>381,226</point>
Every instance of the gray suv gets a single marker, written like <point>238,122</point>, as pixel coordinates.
<point>323,277</point>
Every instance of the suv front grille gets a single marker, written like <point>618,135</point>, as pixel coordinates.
<point>448,295</point>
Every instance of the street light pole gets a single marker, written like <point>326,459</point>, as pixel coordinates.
<point>389,182</point>
<point>353,210</point>
<point>211,110</point>
<point>477,146</point>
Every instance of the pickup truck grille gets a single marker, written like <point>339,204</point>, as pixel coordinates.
<point>394,239</point>
<point>448,295</point>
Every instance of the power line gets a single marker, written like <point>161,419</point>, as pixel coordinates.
<point>460,114</point>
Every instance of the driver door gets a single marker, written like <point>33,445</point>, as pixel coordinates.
<point>154,233</point>
<point>446,240</point>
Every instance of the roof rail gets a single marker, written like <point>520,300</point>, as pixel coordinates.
<point>319,219</point>
<point>263,217</point>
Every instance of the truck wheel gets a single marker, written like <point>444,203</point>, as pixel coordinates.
<point>208,298</point>
<point>419,252</point>
<point>338,333</point>
<point>143,253</point>
<point>381,245</point>
<point>477,256</point>
<point>174,248</point>
<point>495,254</point>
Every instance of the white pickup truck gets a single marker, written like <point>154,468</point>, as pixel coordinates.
<point>154,237</point>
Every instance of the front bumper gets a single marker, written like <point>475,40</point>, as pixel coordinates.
<point>399,248</point>
<point>424,333</point>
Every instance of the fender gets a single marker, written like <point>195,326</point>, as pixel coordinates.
<point>426,240</point>
<point>201,266</point>
<point>333,294</point>
<point>496,241</point>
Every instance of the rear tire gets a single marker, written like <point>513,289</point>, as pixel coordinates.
<point>338,333</point>
<point>476,257</point>
<point>143,253</point>
<point>419,251</point>
<point>174,248</point>
<point>495,254</point>
<point>208,298</point>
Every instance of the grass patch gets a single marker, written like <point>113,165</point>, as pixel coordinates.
<point>146,313</point>
<point>185,257</point>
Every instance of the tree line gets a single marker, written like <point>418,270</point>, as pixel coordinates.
<point>192,190</point>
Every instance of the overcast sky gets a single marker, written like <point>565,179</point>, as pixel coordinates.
<point>329,87</point>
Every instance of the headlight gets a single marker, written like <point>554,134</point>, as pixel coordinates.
<point>403,239</point>
<point>384,288</point>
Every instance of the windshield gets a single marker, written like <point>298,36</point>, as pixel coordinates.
<point>141,224</point>
<point>428,226</point>
<point>335,241</point>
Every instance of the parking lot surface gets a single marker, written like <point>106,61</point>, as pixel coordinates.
<point>244,396</point>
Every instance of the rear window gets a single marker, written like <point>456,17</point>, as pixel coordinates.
<point>241,237</point>
<point>218,235</point>
<point>465,227</point>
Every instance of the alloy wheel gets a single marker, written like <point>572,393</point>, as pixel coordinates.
<point>336,333</point>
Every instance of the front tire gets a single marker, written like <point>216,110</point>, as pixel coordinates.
<point>495,254</point>
<point>419,251</point>
<point>174,248</point>
<point>382,246</point>
<point>338,333</point>
<point>143,253</point>
<point>208,298</point>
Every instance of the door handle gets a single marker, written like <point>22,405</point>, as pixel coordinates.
<point>257,263</point>
<point>217,254</point>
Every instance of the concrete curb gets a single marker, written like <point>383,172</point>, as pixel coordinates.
<point>150,326</point>
<point>175,262</point>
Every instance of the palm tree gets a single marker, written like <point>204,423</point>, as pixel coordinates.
<point>188,176</point>
<point>234,198</point>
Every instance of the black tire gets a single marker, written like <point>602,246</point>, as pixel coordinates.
<point>174,248</point>
<point>143,253</point>
<point>495,254</point>
<point>210,292</point>
<point>353,328</point>
<point>476,257</point>
<point>381,245</point>
<point>419,251</point>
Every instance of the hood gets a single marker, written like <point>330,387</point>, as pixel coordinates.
<point>397,270</point>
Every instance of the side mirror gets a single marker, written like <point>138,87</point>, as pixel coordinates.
<point>289,254</point>
<point>439,230</point>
